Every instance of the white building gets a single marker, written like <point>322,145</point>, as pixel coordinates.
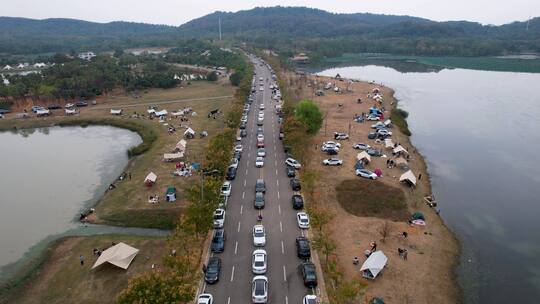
<point>39,65</point>
<point>8,67</point>
<point>86,55</point>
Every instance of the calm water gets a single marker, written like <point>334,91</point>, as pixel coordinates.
<point>49,175</point>
<point>480,134</point>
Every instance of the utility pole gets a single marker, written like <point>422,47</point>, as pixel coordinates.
<point>219,28</point>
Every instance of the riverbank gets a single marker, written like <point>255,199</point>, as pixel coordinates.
<point>427,276</point>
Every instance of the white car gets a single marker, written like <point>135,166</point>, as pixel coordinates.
<point>340,136</point>
<point>366,173</point>
<point>219,218</point>
<point>292,163</point>
<point>234,163</point>
<point>260,137</point>
<point>244,119</point>
<point>261,89</point>
<point>259,236</point>
<point>332,162</point>
<point>261,152</point>
<point>303,220</point>
<point>238,148</point>
<point>205,298</point>
<point>373,118</point>
<point>226,188</point>
<point>261,107</point>
<point>258,261</point>
<point>259,289</point>
<point>361,146</point>
<point>332,143</point>
<point>259,162</point>
<point>310,299</point>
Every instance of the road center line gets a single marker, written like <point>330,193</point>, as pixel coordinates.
<point>243,195</point>
<point>286,300</point>
<point>236,247</point>
<point>232,274</point>
<point>246,170</point>
<point>282,248</point>
<point>284,273</point>
<point>245,182</point>
<point>276,172</point>
<point>279,209</point>
<point>280,227</point>
<point>241,208</point>
<point>229,300</point>
<point>278,194</point>
<point>239,228</point>
<point>277,182</point>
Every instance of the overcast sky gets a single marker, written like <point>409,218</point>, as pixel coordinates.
<point>176,12</point>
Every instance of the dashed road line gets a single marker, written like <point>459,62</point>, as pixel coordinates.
<point>236,248</point>
<point>280,227</point>
<point>245,182</point>
<point>238,226</point>
<point>243,194</point>
<point>284,273</point>
<point>277,182</point>
<point>286,300</point>
<point>278,194</point>
<point>241,207</point>
<point>229,300</point>
<point>279,210</point>
<point>232,274</point>
<point>282,248</point>
<point>276,172</point>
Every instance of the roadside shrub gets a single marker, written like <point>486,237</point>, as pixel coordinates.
<point>307,112</point>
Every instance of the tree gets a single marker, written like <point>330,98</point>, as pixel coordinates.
<point>212,76</point>
<point>309,113</point>
<point>323,243</point>
<point>118,53</point>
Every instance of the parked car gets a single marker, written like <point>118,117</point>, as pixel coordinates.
<point>260,186</point>
<point>259,261</point>
<point>383,133</point>
<point>340,136</point>
<point>81,103</point>
<point>260,121</point>
<point>243,125</point>
<point>303,220</point>
<point>261,152</point>
<point>234,163</point>
<point>259,200</point>
<point>303,249</point>
<point>212,270</point>
<point>293,163</point>
<point>259,236</point>
<point>361,146</point>
<point>238,148</point>
<point>297,201</point>
<point>226,188</point>
<point>332,143</point>
<point>259,162</point>
<point>281,135</point>
<point>372,135</point>
<point>295,184</point>
<point>291,172</point>
<point>231,173</point>
<point>378,125</point>
<point>333,162</point>
<point>259,287</point>
<point>219,218</point>
<point>260,137</point>
<point>205,298</point>
<point>366,173</point>
<point>332,152</point>
<point>260,144</point>
<point>373,117</point>
<point>35,109</point>
<point>237,155</point>
<point>243,133</point>
<point>374,152</point>
<point>54,107</point>
<point>309,274</point>
<point>260,130</point>
<point>218,241</point>
<point>310,299</point>
<point>261,106</point>
<point>327,148</point>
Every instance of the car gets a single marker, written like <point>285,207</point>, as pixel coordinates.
<point>260,144</point>
<point>259,289</point>
<point>297,201</point>
<point>261,89</point>
<point>260,137</point>
<point>309,274</point>
<point>293,163</point>
<point>261,106</point>
<point>81,103</point>
<point>259,236</point>
<point>238,148</point>
<point>234,163</point>
<point>260,122</point>
<point>281,135</point>
<point>212,270</point>
<point>373,117</point>
<point>205,298</point>
<point>54,107</point>
<point>378,125</point>
<point>231,173</point>
<point>295,184</point>
<point>69,106</point>
<point>243,125</point>
<point>226,188</point>
<point>237,155</point>
<point>361,146</point>
<point>260,186</point>
<point>291,172</point>
<point>243,133</point>
<point>218,241</point>
<point>35,109</point>
<point>259,162</point>
<point>384,133</point>
<point>219,218</point>
<point>366,173</point>
<point>340,136</point>
<point>310,299</point>
<point>372,135</point>
<point>260,130</point>
<point>331,143</point>
<point>303,220</point>
<point>333,162</point>
<point>258,261</point>
<point>258,203</point>
<point>261,152</point>
<point>374,152</point>
<point>303,249</point>
<point>332,152</point>
<point>330,149</point>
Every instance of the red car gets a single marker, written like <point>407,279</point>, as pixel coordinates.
<point>260,144</point>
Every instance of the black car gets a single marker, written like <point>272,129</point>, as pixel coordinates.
<point>259,200</point>
<point>291,172</point>
<point>372,135</point>
<point>212,270</point>
<point>54,107</point>
<point>218,241</point>
<point>237,155</point>
<point>331,151</point>
<point>303,250</point>
<point>297,202</point>
<point>309,274</point>
<point>260,186</point>
<point>243,133</point>
<point>295,184</point>
<point>81,103</point>
<point>243,125</point>
<point>374,152</point>
<point>231,173</point>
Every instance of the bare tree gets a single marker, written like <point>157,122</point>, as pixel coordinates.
<point>384,231</point>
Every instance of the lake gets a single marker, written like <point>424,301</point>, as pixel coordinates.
<point>49,176</point>
<point>478,131</point>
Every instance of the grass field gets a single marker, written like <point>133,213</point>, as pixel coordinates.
<point>63,280</point>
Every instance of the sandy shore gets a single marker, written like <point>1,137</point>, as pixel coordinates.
<point>427,276</point>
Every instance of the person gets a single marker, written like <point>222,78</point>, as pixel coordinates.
<point>259,217</point>
<point>129,175</point>
<point>420,176</point>
<point>95,251</point>
<point>355,261</point>
<point>400,252</point>
<point>405,252</point>
<point>99,252</point>
<point>81,259</point>
<point>405,234</point>
<point>173,252</point>
<point>373,246</point>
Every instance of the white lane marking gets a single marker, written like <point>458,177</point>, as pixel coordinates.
<point>204,287</point>
<point>274,148</point>
<point>246,171</point>
<point>280,227</point>
<point>229,300</point>
<point>301,231</point>
<point>239,227</point>
<point>236,247</point>
<point>249,154</point>
<point>245,182</point>
<point>277,182</point>
<point>286,300</point>
<point>241,208</point>
<point>284,273</point>
<point>243,195</point>
<point>232,274</point>
<point>275,162</point>
<point>279,209</point>
<point>276,172</point>
<point>278,194</point>
<point>282,248</point>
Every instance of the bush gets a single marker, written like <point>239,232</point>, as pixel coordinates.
<point>307,112</point>
<point>399,118</point>
<point>212,76</point>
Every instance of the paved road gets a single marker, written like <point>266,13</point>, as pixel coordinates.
<point>279,218</point>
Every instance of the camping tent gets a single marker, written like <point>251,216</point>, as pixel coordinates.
<point>400,149</point>
<point>181,145</point>
<point>150,179</point>
<point>116,112</point>
<point>189,133</point>
<point>151,111</point>
<point>161,113</point>
<point>363,155</point>
<point>373,265</point>
<point>408,177</point>
<point>173,156</point>
<point>388,143</point>
<point>400,161</point>
<point>170,195</point>
<point>119,255</point>
<point>387,122</point>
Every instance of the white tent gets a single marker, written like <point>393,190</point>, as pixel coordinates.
<point>119,255</point>
<point>189,133</point>
<point>388,143</point>
<point>151,177</point>
<point>387,122</point>
<point>373,265</point>
<point>363,155</point>
<point>177,113</point>
<point>400,161</point>
<point>161,113</point>
<point>116,112</point>
<point>173,156</point>
<point>151,111</point>
<point>399,149</point>
<point>408,176</point>
<point>181,145</point>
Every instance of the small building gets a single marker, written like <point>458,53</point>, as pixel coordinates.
<point>39,65</point>
<point>86,55</point>
<point>300,58</point>
<point>8,68</point>
<point>150,179</point>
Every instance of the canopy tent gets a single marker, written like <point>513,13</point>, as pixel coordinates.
<point>181,145</point>
<point>173,156</point>
<point>400,149</point>
<point>43,112</point>
<point>400,161</point>
<point>189,133</point>
<point>363,155</point>
<point>150,178</point>
<point>151,111</point>
<point>373,265</point>
<point>418,216</point>
<point>177,113</point>
<point>170,195</point>
<point>375,111</point>
<point>408,177</point>
<point>116,112</point>
<point>161,113</point>
<point>388,143</point>
<point>119,255</point>
<point>387,122</point>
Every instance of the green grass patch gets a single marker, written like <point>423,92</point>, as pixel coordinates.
<point>399,118</point>
<point>363,197</point>
<point>147,218</point>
